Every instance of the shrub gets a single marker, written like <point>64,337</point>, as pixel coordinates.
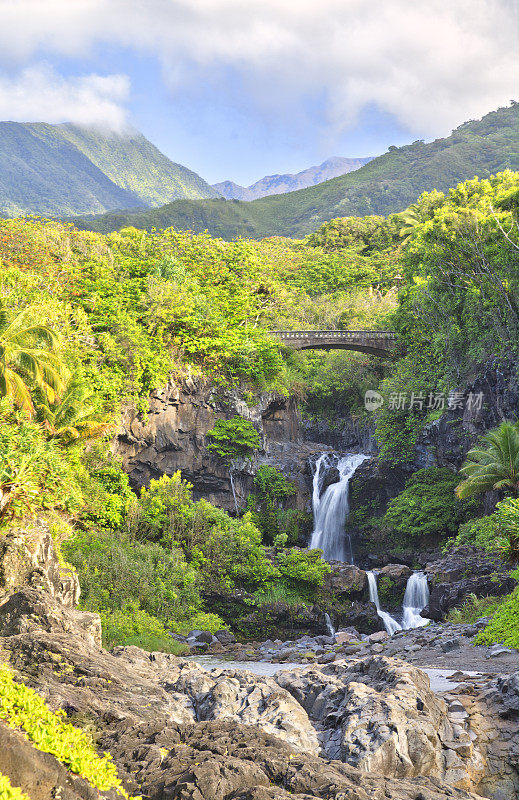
<point>133,626</point>
<point>9,792</point>
<point>117,573</point>
<point>34,473</point>
<point>473,608</point>
<point>303,568</point>
<point>504,625</point>
<point>482,533</point>
<point>266,506</point>
<point>21,707</point>
<point>225,550</point>
<point>427,507</point>
<point>233,438</point>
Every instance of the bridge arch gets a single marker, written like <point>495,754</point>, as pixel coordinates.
<point>376,343</point>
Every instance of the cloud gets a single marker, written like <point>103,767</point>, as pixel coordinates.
<point>432,63</point>
<point>39,94</point>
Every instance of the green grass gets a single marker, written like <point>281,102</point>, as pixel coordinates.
<point>473,608</point>
<point>504,625</point>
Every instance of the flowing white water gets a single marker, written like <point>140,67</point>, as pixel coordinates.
<point>329,625</point>
<point>331,510</point>
<point>390,624</point>
<point>416,597</point>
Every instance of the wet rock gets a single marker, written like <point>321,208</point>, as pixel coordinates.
<point>332,475</point>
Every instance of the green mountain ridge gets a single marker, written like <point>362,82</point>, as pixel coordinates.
<point>386,184</point>
<point>59,170</point>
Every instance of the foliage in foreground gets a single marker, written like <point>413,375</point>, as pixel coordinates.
<point>10,792</point>
<point>21,707</point>
<point>148,575</point>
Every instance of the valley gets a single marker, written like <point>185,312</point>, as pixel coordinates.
<point>258,507</point>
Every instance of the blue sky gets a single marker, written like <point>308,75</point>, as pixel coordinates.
<point>238,90</point>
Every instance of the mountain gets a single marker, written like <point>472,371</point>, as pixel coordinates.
<point>280,184</point>
<point>58,170</point>
<point>386,184</point>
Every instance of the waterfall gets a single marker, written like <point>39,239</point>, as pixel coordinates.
<point>390,624</point>
<point>416,597</point>
<point>329,625</point>
<point>331,510</point>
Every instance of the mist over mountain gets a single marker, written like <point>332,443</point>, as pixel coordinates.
<point>58,170</point>
<point>280,184</point>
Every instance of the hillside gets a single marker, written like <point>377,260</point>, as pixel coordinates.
<point>280,184</point>
<point>388,183</point>
<point>57,170</point>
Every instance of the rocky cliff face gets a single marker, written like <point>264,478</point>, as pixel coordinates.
<point>172,436</point>
<point>445,442</point>
<point>28,557</point>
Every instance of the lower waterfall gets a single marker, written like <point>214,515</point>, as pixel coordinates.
<point>416,598</point>
<point>331,510</point>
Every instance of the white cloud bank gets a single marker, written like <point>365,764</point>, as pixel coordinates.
<point>38,94</point>
<point>432,63</point>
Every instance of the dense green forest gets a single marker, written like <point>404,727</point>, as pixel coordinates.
<point>90,322</point>
<point>59,170</point>
<point>386,184</point>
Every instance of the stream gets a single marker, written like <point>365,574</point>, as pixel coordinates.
<point>442,680</point>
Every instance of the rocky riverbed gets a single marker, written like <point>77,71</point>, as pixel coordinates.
<point>437,645</point>
<point>365,727</point>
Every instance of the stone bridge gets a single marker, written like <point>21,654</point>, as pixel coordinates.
<point>376,343</point>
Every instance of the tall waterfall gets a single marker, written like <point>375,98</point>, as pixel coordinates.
<point>416,597</point>
<point>331,510</point>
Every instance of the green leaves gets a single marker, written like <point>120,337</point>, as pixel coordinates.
<point>427,508</point>
<point>495,466</point>
<point>233,438</point>
<point>22,708</point>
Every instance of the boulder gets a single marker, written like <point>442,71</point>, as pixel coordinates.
<point>332,475</point>
<point>361,616</point>
<point>28,611</point>
<point>345,580</point>
<point>28,558</point>
<point>464,571</point>
<point>197,637</point>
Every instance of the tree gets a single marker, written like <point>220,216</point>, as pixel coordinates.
<point>495,466</point>
<point>71,418</point>
<point>28,360</point>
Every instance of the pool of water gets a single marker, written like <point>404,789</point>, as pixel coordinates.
<point>441,679</point>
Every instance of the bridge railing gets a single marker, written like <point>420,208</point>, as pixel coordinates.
<point>335,334</point>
